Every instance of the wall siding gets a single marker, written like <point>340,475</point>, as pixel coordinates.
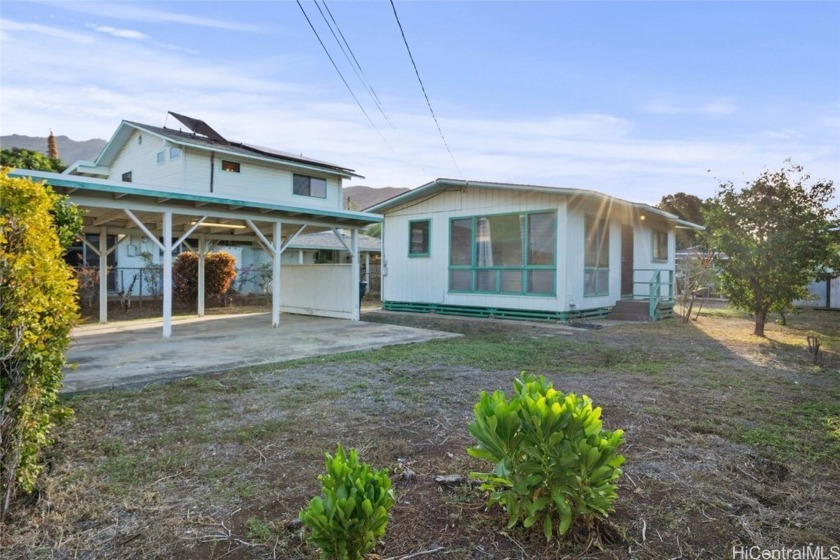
<point>322,290</point>
<point>257,181</point>
<point>425,279</point>
<point>141,161</point>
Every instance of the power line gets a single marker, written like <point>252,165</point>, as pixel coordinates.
<point>323,46</point>
<point>354,63</point>
<point>429,103</point>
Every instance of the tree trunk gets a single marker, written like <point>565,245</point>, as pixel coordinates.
<point>760,319</point>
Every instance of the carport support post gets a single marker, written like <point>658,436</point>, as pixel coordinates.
<point>167,274</point>
<point>277,253</point>
<point>354,250</point>
<point>103,275</point>
<point>202,248</point>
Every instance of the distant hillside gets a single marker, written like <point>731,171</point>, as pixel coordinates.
<point>69,151</point>
<point>360,197</point>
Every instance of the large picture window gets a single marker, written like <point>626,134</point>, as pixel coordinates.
<point>418,238</point>
<point>310,186</point>
<point>504,254</point>
<point>596,275</point>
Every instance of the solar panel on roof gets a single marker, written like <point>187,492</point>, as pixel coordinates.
<point>199,127</point>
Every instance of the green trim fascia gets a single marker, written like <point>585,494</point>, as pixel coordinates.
<point>496,312</point>
<point>101,186</point>
<point>428,253</point>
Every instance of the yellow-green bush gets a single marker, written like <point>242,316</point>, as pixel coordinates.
<point>554,463</point>
<point>37,309</point>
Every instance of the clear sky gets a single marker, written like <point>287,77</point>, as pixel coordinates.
<point>635,99</point>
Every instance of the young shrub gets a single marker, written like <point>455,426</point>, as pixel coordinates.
<point>554,464</point>
<point>351,514</point>
<point>37,309</point>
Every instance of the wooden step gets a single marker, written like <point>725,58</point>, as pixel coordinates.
<point>630,310</point>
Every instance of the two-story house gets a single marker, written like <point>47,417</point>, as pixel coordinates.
<point>153,189</point>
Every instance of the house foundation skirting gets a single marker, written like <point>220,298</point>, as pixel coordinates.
<point>496,312</point>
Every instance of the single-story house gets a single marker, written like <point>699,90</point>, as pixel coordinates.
<point>153,189</point>
<point>525,251</point>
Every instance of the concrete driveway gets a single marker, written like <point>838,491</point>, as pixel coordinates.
<point>125,354</point>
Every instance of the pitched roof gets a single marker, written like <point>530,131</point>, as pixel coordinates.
<point>438,185</point>
<point>216,143</point>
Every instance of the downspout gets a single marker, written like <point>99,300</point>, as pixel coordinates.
<point>212,168</point>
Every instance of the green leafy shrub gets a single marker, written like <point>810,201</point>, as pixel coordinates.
<point>554,462</point>
<point>37,309</point>
<point>351,514</point>
<point>219,273</point>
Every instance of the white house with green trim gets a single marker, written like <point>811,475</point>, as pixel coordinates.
<point>524,251</point>
<point>158,189</point>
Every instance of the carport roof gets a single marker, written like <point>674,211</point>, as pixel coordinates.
<point>104,194</point>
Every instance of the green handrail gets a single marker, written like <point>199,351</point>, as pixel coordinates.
<point>655,289</point>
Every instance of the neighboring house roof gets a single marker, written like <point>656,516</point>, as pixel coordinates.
<point>439,185</point>
<point>326,240</point>
<point>195,140</point>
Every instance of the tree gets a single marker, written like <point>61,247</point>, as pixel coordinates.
<point>29,159</point>
<point>37,309</point>
<point>776,236</point>
<point>689,208</point>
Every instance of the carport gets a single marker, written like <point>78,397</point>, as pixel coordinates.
<point>168,219</point>
<point>132,353</point>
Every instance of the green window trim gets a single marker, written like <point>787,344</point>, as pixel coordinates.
<point>419,238</point>
<point>527,237</point>
<point>659,239</point>
<point>596,249</point>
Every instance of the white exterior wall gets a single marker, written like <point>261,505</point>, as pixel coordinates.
<point>426,279</point>
<point>643,260</point>
<point>140,158</point>
<point>257,181</point>
<point>322,290</point>
<point>575,261</point>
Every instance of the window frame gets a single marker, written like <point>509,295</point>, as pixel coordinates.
<point>601,266</point>
<point>428,239</point>
<point>161,157</point>
<point>230,166</point>
<point>659,240</point>
<point>127,177</point>
<point>295,192</point>
<point>174,153</point>
<point>496,274</point>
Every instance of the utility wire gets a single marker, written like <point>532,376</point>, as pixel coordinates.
<point>354,63</point>
<point>323,46</point>
<point>429,103</point>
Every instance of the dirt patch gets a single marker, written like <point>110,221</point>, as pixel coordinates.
<point>728,442</point>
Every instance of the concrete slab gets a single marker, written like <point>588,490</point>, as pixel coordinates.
<point>131,353</point>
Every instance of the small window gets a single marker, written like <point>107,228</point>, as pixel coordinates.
<point>161,157</point>
<point>660,245</point>
<point>174,153</point>
<point>418,238</point>
<point>230,166</point>
<point>126,177</point>
<point>310,186</point>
